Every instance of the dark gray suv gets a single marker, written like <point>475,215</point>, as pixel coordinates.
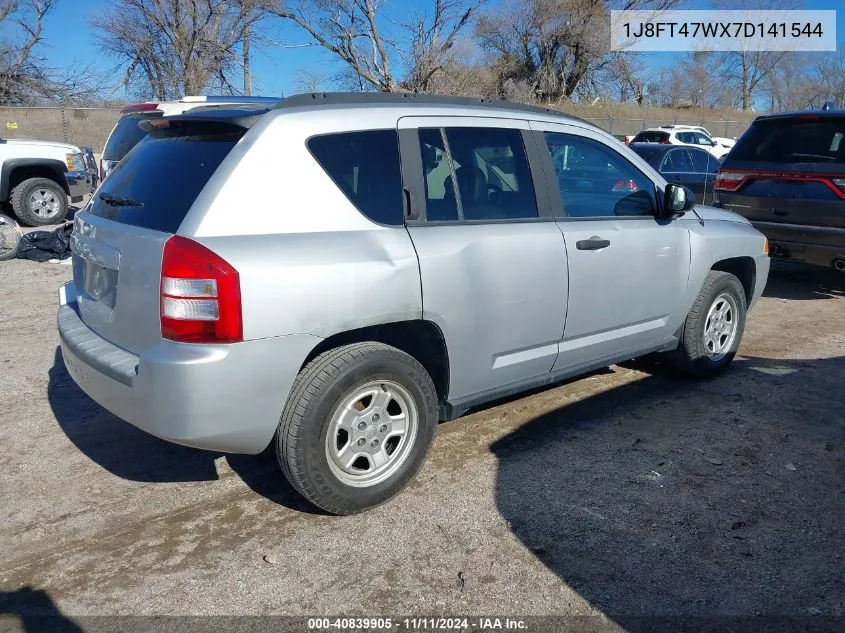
<point>787,175</point>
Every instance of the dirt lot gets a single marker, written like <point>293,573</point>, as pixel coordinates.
<point>628,493</point>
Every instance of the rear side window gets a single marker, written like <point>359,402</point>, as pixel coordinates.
<point>700,161</point>
<point>677,161</point>
<point>158,181</point>
<point>651,137</point>
<point>365,166</point>
<point>126,135</point>
<point>814,140</point>
<point>483,174</point>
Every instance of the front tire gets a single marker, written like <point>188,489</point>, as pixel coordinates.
<point>357,426</point>
<point>39,202</point>
<point>713,328</point>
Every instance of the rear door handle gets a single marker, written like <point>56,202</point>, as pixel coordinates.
<point>593,244</point>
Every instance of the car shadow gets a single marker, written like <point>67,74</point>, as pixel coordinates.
<point>117,446</point>
<point>670,498</point>
<point>36,612</point>
<point>132,454</point>
<point>794,281</point>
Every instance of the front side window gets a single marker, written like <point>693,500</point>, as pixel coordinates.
<point>596,181</point>
<point>703,139</point>
<point>476,174</point>
<point>365,166</point>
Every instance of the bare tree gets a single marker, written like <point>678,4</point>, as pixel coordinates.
<point>555,45</point>
<point>357,32</point>
<point>433,40</point>
<point>174,47</point>
<point>633,79</point>
<point>748,70</point>
<point>25,77</point>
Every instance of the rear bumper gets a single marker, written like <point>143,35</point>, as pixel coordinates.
<point>78,183</point>
<point>816,245</point>
<point>219,397</point>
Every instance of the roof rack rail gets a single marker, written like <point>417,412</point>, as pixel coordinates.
<point>387,98</point>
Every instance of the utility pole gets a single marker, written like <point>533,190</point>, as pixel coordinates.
<point>247,73</point>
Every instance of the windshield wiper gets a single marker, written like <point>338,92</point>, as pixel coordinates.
<point>120,201</point>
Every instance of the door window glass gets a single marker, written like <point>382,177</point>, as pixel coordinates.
<point>596,181</point>
<point>676,161</point>
<point>700,161</point>
<point>476,174</point>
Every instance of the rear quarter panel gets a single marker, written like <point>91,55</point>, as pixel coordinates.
<point>309,261</point>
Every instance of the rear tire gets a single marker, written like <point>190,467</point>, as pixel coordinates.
<point>39,202</point>
<point>10,238</point>
<point>357,426</point>
<point>713,328</point>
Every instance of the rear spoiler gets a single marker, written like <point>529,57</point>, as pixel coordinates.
<point>237,117</point>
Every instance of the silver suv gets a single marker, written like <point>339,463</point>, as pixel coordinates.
<point>337,273</point>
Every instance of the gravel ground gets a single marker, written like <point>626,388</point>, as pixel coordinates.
<point>627,493</point>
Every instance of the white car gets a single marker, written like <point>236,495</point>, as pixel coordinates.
<point>38,177</point>
<point>720,140</point>
<point>126,133</point>
<point>682,135</point>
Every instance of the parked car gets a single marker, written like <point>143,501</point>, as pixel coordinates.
<point>720,140</point>
<point>787,175</point>
<point>681,135</point>
<point>38,177</point>
<point>690,166</point>
<point>126,133</point>
<point>369,297</point>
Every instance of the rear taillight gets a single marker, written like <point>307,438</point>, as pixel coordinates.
<point>200,295</point>
<point>626,185</point>
<point>729,180</point>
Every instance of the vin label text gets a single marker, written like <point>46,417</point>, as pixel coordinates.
<point>718,31</point>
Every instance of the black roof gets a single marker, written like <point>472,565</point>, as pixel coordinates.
<point>822,114</point>
<point>245,115</point>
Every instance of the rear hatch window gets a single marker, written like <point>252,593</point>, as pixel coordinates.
<point>126,135</point>
<point>815,140</point>
<point>159,180</point>
<point>651,137</point>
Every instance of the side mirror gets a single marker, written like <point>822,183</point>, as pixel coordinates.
<point>677,200</point>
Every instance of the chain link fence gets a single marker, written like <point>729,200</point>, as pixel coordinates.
<point>84,127</point>
<point>89,127</point>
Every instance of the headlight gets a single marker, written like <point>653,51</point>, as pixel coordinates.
<point>75,162</point>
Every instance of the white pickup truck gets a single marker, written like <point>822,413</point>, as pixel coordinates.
<point>38,177</point>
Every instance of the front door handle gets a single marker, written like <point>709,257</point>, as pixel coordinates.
<point>593,244</point>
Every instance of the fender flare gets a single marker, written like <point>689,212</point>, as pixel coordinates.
<point>56,166</point>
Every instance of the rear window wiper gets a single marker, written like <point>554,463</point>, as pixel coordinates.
<point>120,201</point>
<point>814,157</point>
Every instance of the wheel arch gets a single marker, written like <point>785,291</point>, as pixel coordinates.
<point>16,170</point>
<point>421,339</point>
<point>744,269</point>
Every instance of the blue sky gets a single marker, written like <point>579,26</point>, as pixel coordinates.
<point>276,70</point>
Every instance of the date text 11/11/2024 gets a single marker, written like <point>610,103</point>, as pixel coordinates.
<point>481,624</point>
